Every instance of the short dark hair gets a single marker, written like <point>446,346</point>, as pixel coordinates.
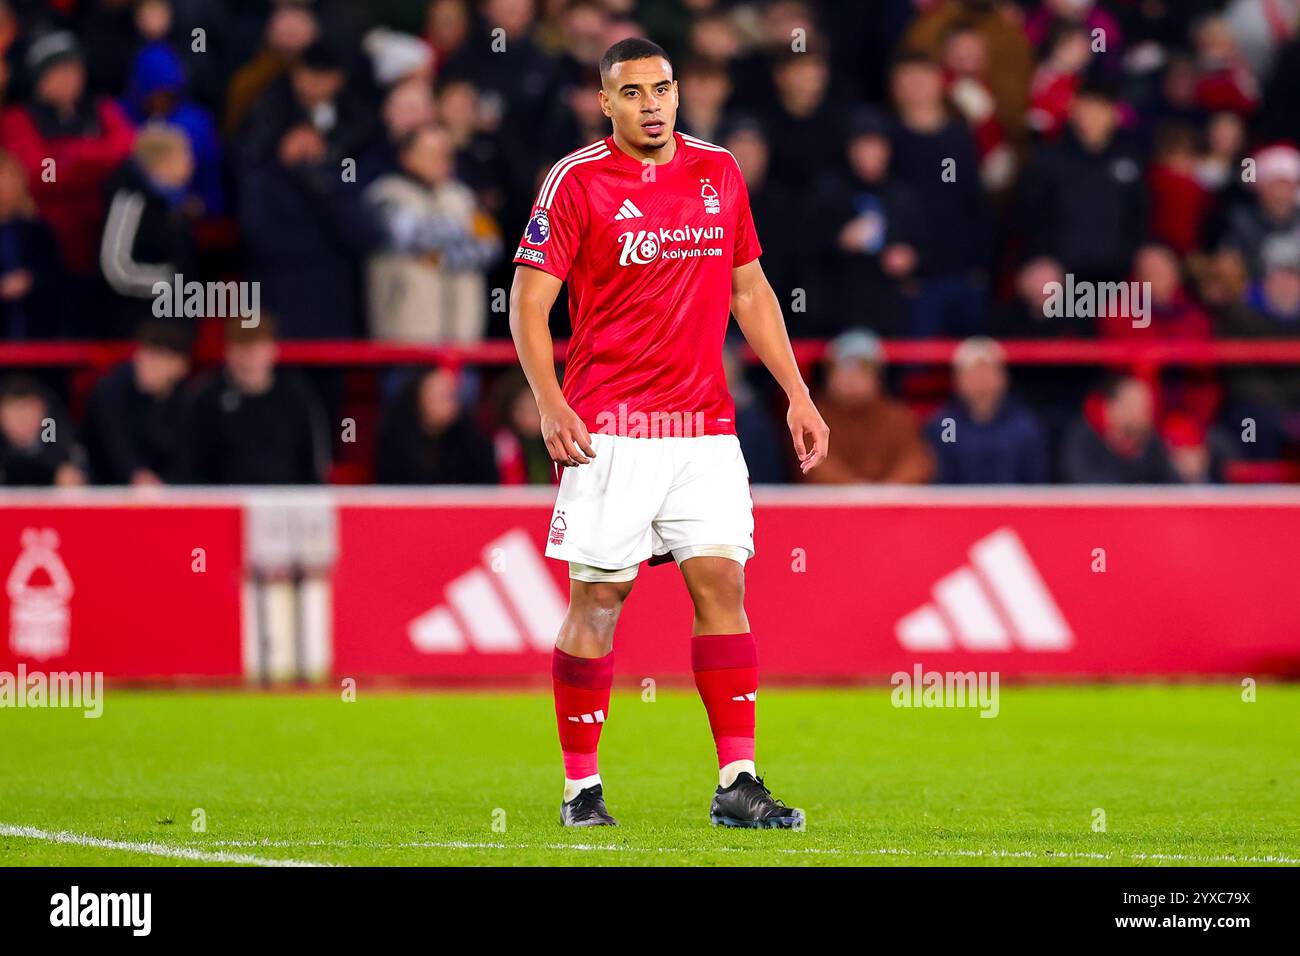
<point>20,386</point>
<point>170,335</point>
<point>237,333</point>
<point>1116,383</point>
<point>911,56</point>
<point>633,48</point>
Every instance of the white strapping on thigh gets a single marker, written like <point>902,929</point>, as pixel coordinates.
<point>585,572</point>
<point>732,551</point>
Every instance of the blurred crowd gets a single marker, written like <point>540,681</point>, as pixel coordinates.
<point>917,169</point>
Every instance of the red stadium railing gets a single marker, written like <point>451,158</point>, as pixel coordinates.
<point>87,360</point>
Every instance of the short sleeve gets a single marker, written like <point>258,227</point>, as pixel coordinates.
<point>551,238</point>
<point>747,247</point>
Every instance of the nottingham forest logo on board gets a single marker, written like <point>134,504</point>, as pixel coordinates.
<point>39,589</point>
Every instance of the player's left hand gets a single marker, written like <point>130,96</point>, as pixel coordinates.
<point>811,436</point>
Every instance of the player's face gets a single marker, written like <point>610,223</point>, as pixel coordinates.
<point>640,97</point>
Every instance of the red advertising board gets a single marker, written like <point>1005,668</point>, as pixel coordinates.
<point>848,584</point>
<point>854,585</point>
<point>134,591</point>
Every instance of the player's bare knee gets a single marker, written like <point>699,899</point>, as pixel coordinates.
<point>594,608</point>
<point>717,587</point>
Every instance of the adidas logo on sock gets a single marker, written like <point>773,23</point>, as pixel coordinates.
<point>597,718</point>
<point>753,696</point>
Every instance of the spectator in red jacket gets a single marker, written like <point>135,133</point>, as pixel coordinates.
<point>1057,79</point>
<point>521,455</point>
<point>1173,314</point>
<point>1225,81</point>
<point>1179,201</point>
<point>1115,443</point>
<point>69,142</point>
<point>965,66</point>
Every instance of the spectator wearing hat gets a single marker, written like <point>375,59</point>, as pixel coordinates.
<point>427,438</point>
<point>69,142</point>
<point>868,226</point>
<point>426,282</point>
<point>876,437</point>
<point>147,238</point>
<point>1083,200</point>
<point>158,93</point>
<point>984,436</point>
<point>253,423</point>
<point>1268,397</point>
<point>1115,443</point>
<point>1275,210</point>
<point>949,283</point>
<point>396,56</point>
<point>135,415</point>
<point>30,269</point>
<point>37,443</point>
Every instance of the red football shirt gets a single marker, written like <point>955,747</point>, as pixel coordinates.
<point>647,251</point>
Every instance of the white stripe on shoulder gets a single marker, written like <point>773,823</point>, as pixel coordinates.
<point>702,144</point>
<point>549,197</point>
<point>596,150</point>
<point>592,148</point>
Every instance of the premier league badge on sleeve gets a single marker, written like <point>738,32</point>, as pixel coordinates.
<point>538,229</point>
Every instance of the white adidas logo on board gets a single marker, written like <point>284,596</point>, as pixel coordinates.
<point>998,602</point>
<point>514,609</point>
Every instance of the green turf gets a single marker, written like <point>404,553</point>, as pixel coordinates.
<point>1191,772</point>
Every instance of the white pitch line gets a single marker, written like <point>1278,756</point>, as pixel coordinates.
<point>796,851</point>
<point>150,848</point>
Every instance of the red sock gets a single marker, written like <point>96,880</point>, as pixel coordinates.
<point>581,705</point>
<point>726,675</point>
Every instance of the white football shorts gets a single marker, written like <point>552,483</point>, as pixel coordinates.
<point>641,497</point>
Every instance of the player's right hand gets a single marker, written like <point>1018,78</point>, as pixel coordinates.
<point>566,436</point>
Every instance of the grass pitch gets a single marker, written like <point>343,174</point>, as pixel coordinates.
<point>1183,774</point>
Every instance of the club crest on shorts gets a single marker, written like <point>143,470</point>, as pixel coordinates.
<point>538,229</point>
<point>558,527</point>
